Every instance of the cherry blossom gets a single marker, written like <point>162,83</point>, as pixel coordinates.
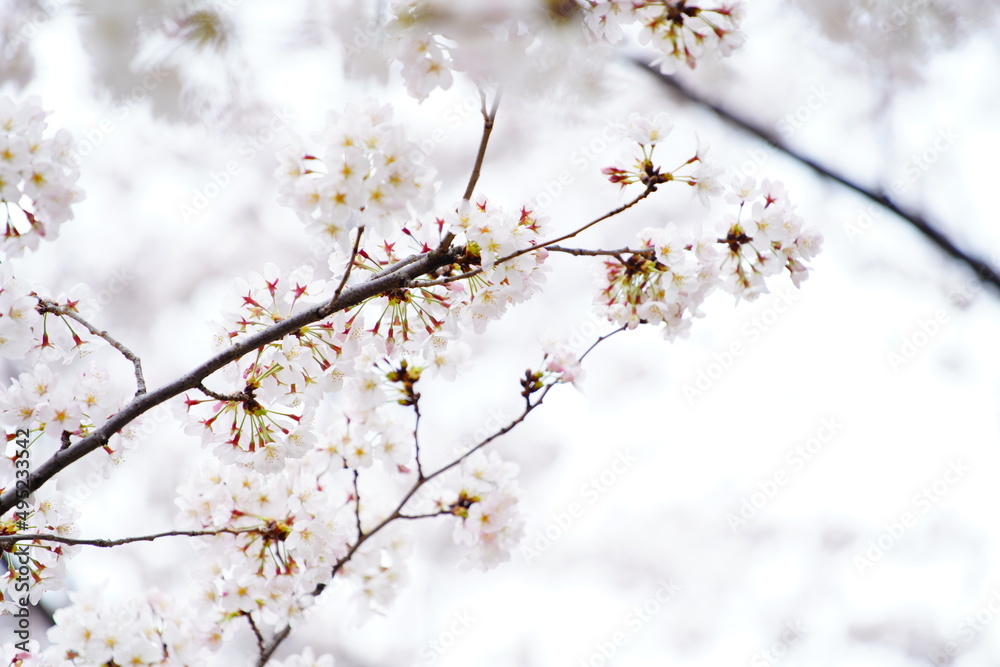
<point>316,468</point>
<point>37,177</point>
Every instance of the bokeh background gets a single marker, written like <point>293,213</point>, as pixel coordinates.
<point>824,496</point>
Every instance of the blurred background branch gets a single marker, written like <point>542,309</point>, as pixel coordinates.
<point>982,269</point>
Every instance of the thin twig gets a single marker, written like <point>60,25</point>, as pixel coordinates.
<point>431,515</point>
<point>47,306</point>
<point>600,340</point>
<point>982,269</point>
<point>416,439</point>
<point>489,118</point>
<point>595,253</point>
<point>650,189</point>
<point>236,398</point>
<point>420,483</point>
<point>350,264</point>
<point>474,272</point>
<point>256,631</point>
<point>357,506</point>
<point>397,513</point>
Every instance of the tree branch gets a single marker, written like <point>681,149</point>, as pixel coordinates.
<point>650,189</point>
<point>350,297</point>
<point>256,631</point>
<point>488,119</point>
<point>357,506</point>
<point>350,263</point>
<point>233,398</point>
<point>397,513</point>
<point>104,543</point>
<point>586,252</point>
<point>982,269</point>
<point>47,306</point>
<point>416,439</point>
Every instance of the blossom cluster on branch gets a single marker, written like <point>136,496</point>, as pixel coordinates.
<point>37,177</point>
<point>318,467</point>
<point>432,39</point>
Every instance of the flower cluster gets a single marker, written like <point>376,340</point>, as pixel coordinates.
<point>492,234</point>
<point>30,331</point>
<point>19,317</point>
<point>59,405</point>
<point>363,177</point>
<point>772,239</point>
<point>37,177</point>
<point>284,534</point>
<point>491,523</point>
<point>261,418</point>
<point>153,630</point>
<point>469,293</point>
<point>664,282</point>
<point>562,362</point>
<point>426,61</point>
<point>293,496</point>
<point>37,564</point>
<point>671,272</point>
<point>680,30</point>
<point>648,132</point>
<point>431,39</point>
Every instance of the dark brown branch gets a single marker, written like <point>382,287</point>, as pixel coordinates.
<point>983,270</point>
<point>276,640</point>
<point>103,543</point>
<point>256,632</point>
<point>46,306</point>
<point>350,297</point>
